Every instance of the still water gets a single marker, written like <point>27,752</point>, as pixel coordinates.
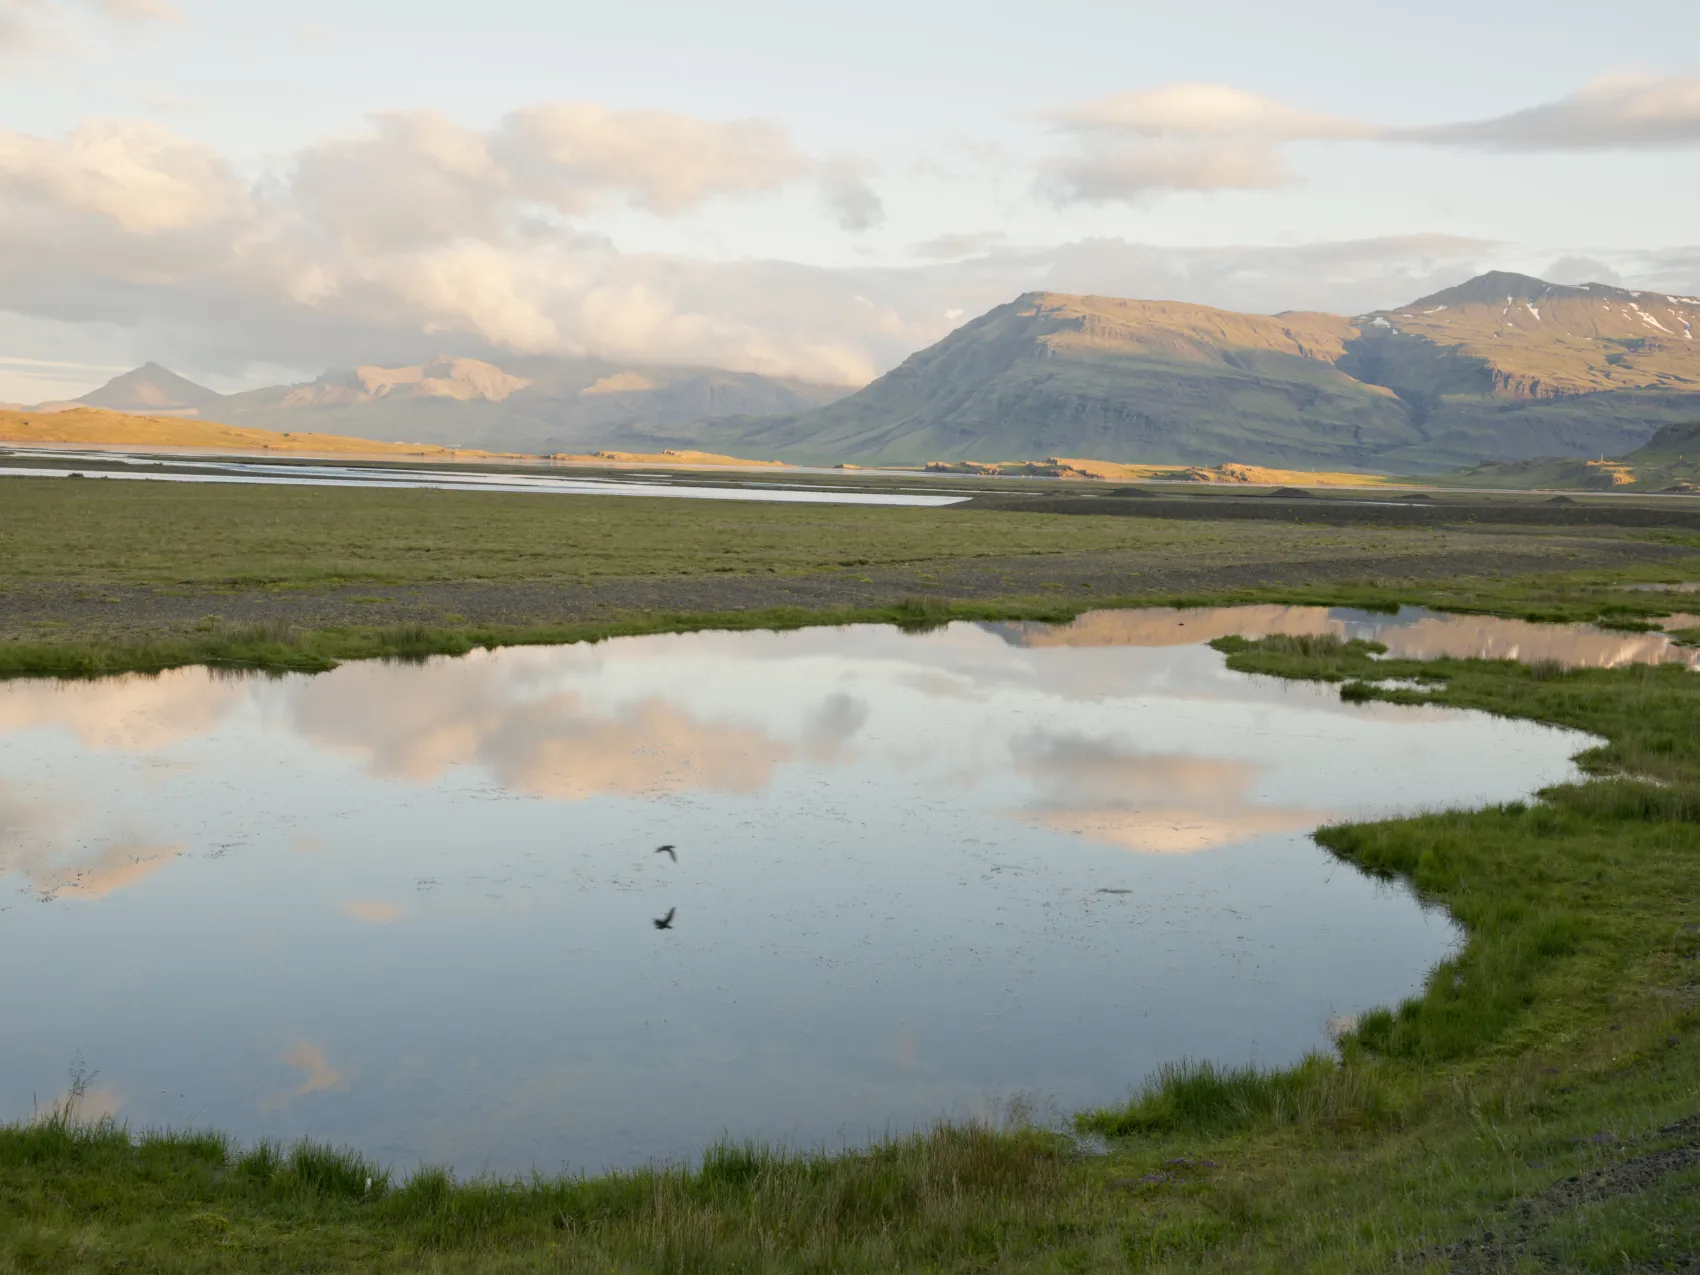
<point>412,907</point>
<point>151,468</point>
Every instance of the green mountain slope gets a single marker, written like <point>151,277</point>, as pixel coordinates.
<point>1669,463</point>
<point>1503,367</point>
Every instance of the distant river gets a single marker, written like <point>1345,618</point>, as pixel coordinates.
<point>92,466</point>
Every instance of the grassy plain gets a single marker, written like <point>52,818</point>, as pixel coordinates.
<point>1535,1107</point>
<point>103,575</point>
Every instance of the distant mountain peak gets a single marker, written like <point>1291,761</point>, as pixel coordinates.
<point>1497,287</point>
<point>152,388</point>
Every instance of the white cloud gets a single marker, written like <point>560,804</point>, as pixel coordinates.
<point>135,173</point>
<point>1213,137</point>
<point>568,153</point>
<point>1200,137</point>
<point>1197,111</point>
<point>420,232</point>
<point>1131,170</point>
<point>1612,112</point>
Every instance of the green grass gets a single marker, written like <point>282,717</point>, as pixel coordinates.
<point>233,535</point>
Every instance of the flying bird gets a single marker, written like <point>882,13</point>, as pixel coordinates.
<point>668,851</point>
<point>664,922</point>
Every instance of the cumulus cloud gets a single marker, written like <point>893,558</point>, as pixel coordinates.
<point>417,227</point>
<point>567,153</point>
<point>133,173</point>
<point>1612,112</point>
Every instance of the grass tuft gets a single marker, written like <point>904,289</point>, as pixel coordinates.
<point>1207,1098</point>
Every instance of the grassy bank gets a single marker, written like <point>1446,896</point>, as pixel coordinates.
<point>1532,1108</point>
<point>283,645</point>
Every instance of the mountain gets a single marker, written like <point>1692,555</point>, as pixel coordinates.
<point>154,389</point>
<point>1670,462</point>
<point>1502,367</point>
<point>525,404</point>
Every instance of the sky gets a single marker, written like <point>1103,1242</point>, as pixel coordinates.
<point>251,194</point>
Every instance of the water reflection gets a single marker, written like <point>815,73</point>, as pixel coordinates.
<point>1414,633</point>
<point>1110,792</point>
<point>422,909</point>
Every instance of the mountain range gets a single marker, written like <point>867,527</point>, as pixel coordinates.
<point>535,404</point>
<point>1504,367</point>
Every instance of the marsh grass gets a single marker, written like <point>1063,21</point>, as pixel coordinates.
<point>1194,1097</point>
<point>948,1195</point>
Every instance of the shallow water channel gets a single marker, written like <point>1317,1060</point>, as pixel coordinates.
<point>411,907</point>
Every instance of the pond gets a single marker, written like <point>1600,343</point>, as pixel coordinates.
<point>418,908</point>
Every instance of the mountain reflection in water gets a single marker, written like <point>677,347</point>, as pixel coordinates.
<point>414,907</point>
<point>1414,633</point>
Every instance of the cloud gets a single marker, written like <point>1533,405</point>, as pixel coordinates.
<point>552,743</point>
<point>318,1076</point>
<point>132,713</point>
<point>1612,112</point>
<point>567,153</point>
<point>136,174</point>
<point>1199,137</point>
<point>1201,111</point>
<point>1579,269</point>
<point>1211,137</point>
<point>33,30</point>
<point>846,191</point>
<point>970,243</point>
<point>1114,170</point>
<point>139,11</point>
<point>417,233</point>
<point>416,236</point>
<point>50,845</point>
<point>1111,793</point>
<point>29,27</point>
